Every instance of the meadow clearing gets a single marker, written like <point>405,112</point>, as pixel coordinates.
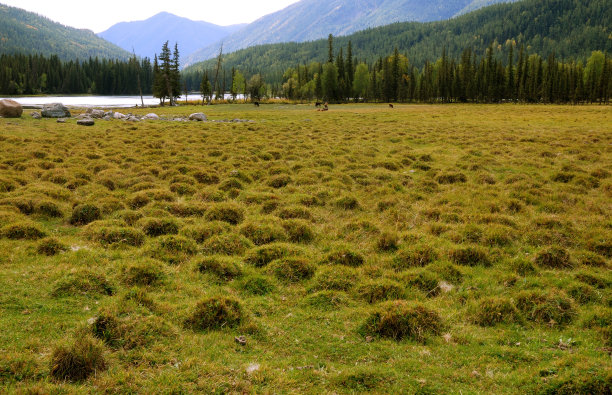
<point>422,249</point>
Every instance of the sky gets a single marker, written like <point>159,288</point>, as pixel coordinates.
<point>99,16</point>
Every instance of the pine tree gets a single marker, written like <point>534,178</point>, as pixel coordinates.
<point>350,70</point>
<point>330,49</point>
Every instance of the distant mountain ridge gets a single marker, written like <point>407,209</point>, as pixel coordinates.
<point>310,20</point>
<point>26,32</point>
<point>147,36</point>
<point>571,29</point>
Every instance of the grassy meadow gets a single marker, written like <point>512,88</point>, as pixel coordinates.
<point>423,249</point>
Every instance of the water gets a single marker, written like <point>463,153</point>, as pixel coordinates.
<point>97,101</point>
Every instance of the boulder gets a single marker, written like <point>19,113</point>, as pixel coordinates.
<point>55,110</point>
<point>118,115</point>
<point>61,120</point>
<point>86,122</point>
<point>36,115</point>
<point>10,109</point>
<point>152,116</point>
<point>198,116</point>
<point>96,114</point>
<point>133,118</point>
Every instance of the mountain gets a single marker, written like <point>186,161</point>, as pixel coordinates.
<point>569,28</point>
<point>314,19</point>
<point>29,33</point>
<point>146,37</point>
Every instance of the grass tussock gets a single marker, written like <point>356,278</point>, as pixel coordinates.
<point>78,360</point>
<point>400,320</point>
<point>292,269</point>
<point>224,268</point>
<point>215,313</point>
<point>51,246</point>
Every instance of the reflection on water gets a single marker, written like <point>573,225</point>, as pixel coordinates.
<point>97,101</point>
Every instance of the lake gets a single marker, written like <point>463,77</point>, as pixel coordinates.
<point>96,101</point>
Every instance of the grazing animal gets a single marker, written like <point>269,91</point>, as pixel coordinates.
<point>256,104</point>
<point>390,105</point>
<point>318,104</point>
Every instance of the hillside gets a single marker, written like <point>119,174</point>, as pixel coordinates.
<point>146,37</point>
<point>570,28</point>
<point>314,19</point>
<point>29,33</point>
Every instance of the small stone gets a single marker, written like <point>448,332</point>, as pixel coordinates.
<point>241,340</point>
<point>36,115</point>
<point>252,368</point>
<point>132,118</point>
<point>61,120</point>
<point>152,116</point>
<point>86,122</point>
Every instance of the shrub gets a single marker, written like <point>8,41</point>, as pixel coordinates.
<point>142,273</point>
<point>77,361</point>
<point>257,285</point>
<point>155,227</point>
<point>347,203</point>
<point>261,233</point>
<point>344,256</point>
<point>22,231</point>
<point>380,290</point>
<point>554,258</point>
<point>173,249</point>
<point>226,212</point>
<point>261,256</point>
<point>224,268</point>
<point>227,244</point>
<point>417,256</point>
<point>399,320</point>
<point>496,310</point>
<point>292,269</point>
<point>215,313</point>
<point>451,178</point>
<point>339,278</point>
<point>115,235</point>
<point>50,246</point>
<point>470,256</point>
<point>82,282</point>
<point>279,181</point>
<point>388,242</point>
<point>298,231</point>
<point>552,308</point>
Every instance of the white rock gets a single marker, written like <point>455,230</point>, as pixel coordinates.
<point>198,116</point>
<point>151,116</point>
<point>118,115</point>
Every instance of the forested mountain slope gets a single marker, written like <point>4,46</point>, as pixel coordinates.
<point>315,19</point>
<point>25,32</point>
<point>570,28</point>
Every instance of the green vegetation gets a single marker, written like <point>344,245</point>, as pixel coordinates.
<point>569,29</point>
<point>23,32</point>
<point>346,262</point>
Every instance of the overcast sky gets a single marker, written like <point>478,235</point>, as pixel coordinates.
<point>100,15</point>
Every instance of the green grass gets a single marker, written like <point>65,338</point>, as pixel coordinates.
<point>424,249</point>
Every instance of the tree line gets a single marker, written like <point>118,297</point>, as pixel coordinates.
<point>470,78</point>
<point>37,74</point>
<point>571,29</point>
